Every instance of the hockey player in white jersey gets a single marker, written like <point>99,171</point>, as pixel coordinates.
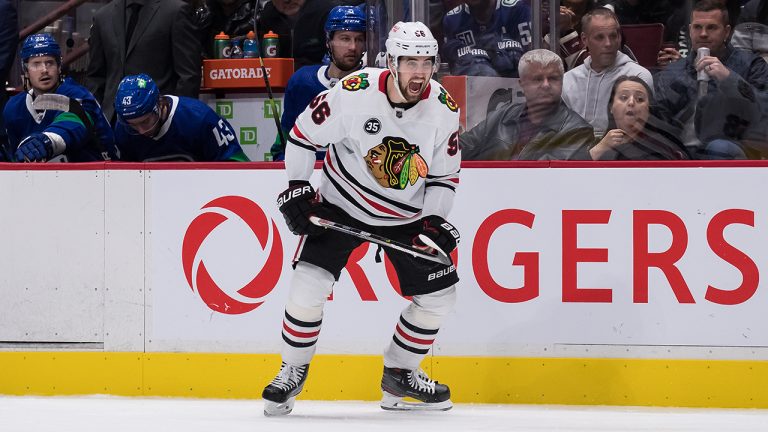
<point>391,169</point>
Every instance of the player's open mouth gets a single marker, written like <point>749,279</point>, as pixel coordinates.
<point>414,86</point>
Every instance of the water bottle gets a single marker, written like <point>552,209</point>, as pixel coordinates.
<point>237,51</point>
<point>250,47</point>
<point>221,46</point>
<point>271,45</point>
<point>701,53</point>
<point>702,77</point>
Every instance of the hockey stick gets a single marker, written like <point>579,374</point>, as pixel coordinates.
<point>275,114</point>
<point>439,256</point>
<point>59,102</point>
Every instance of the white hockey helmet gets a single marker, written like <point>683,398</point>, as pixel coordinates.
<point>411,39</point>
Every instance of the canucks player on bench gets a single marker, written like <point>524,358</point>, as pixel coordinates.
<point>152,127</point>
<point>81,134</point>
<point>345,39</point>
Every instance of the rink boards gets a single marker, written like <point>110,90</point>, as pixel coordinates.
<point>580,284</point>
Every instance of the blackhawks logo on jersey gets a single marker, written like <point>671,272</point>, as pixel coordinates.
<point>356,82</point>
<point>446,99</point>
<point>395,163</point>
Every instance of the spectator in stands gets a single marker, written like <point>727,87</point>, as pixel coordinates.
<point>752,31</point>
<point>486,37</point>
<point>541,127</point>
<point>73,129</point>
<point>9,37</point>
<point>571,12</point>
<point>437,11</point>
<point>152,127</point>
<point>641,11</point>
<point>572,49</point>
<point>587,88</point>
<point>156,37</point>
<point>676,43</point>
<point>345,41</point>
<point>233,17</point>
<point>676,29</point>
<point>723,121</point>
<point>299,25</point>
<point>635,132</point>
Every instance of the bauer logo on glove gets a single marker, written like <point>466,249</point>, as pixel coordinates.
<point>293,193</point>
<point>443,234</point>
<point>297,204</point>
<point>453,231</point>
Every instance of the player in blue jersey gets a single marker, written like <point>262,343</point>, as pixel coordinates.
<point>487,37</point>
<point>345,39</point>
<point>77,131</point>
<point>152,127</point>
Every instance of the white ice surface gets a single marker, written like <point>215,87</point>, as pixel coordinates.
<point>116,414</point>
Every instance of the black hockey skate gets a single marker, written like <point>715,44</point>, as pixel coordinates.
<point>397,384</point>
<point>281,393</point>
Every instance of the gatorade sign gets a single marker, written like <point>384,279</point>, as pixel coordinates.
<point>242,73</point>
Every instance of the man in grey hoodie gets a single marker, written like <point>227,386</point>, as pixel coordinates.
<point>587,88</point>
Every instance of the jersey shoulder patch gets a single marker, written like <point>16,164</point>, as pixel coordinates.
<point>445,98</point>
<point>509,3</point>
<point>356,82</point>
<point>457,10</point>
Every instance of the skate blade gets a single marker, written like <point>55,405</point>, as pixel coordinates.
<point>275,409</point>
<point>391,402</point>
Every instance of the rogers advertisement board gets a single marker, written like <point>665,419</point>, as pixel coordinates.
<point>549,256</point>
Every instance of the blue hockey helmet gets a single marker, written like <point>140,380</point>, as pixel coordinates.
<point>137,95</point>
<point>41,44</point>
<point>344,18</point>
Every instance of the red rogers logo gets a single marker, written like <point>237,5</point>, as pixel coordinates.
<point>199,229</point>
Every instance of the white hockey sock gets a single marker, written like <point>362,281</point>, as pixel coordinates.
<point>310,288</point>
<point>417,328</point>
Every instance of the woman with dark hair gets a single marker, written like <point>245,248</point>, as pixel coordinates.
<point>635,132</point>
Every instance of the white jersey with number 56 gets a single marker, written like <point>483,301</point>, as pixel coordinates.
<point>385,165</point>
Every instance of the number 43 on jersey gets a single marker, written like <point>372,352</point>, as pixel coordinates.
<point>223,134</point>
